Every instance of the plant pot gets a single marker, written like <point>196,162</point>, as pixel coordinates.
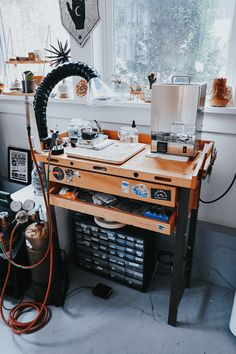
<point>219,102</point>
<point>147,95</point>
<point>1,88</point>
<point>221,93</point>
<point>28,86</point>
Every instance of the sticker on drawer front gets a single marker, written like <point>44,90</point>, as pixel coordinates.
<point>160,194</point>
<point>161,227</point>
<point>140,190</point>
<point>125,186</point>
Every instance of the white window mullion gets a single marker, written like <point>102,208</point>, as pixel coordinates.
<point>108,40</point>
<point>231,66</point>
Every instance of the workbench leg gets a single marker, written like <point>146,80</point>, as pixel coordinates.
<point>177,282</point>
<point>191,239</point>
<point>190,247</point>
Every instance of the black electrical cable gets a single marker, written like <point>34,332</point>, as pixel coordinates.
<point>4,299</point>
<point>222,195</point>
<point>76,291</point>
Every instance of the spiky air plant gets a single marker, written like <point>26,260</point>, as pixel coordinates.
<point>60,54</point>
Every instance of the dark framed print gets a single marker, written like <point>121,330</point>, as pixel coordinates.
<point>19,165</point>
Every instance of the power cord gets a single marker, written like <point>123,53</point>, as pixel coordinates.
<point>76,291</point>
<point>222,195</point>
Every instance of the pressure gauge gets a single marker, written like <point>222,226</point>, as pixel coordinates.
<point>16,206</point>
<point>28,205</point>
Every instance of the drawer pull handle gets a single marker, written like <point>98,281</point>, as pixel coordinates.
<point>100,168</point>
<point>53,160</point>
<point>164,179</point>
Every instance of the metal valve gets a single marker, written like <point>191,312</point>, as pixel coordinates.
<point>21,217</point>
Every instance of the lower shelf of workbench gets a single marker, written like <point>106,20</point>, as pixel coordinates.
<point>146,223</point>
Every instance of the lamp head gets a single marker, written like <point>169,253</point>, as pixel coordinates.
<point>99,92</point>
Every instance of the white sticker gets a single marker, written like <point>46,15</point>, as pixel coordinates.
<point>125,186</point>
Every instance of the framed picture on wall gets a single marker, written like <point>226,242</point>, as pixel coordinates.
<point>19,165</point>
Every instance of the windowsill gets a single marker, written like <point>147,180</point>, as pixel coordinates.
<point>122,104</point>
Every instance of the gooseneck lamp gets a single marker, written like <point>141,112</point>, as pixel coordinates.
<point>99,92</point>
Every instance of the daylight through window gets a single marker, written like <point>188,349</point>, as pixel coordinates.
<point>173,37</point>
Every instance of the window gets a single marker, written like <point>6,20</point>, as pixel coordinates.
<point>172,37</point>
<point>29,20</point>
<point>29,23</point>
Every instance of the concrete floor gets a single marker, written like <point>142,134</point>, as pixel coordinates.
<point>131,322</point>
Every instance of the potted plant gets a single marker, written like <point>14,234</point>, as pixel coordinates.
<point>60,56</point>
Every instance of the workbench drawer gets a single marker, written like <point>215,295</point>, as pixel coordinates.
<point>143,222</point>
<point>124,187</point>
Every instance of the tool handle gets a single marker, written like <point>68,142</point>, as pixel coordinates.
<point>180,76</point>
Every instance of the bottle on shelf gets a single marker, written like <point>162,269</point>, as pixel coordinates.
<point>64,90</point>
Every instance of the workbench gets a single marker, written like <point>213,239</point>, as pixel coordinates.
<point>175,184</point>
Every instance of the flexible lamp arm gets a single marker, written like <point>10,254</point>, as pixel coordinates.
<point>50,81</point>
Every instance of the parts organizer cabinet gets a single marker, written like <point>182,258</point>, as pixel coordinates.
<point>124,255</point>
<point>170,183</point>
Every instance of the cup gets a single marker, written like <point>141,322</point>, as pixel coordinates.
<point>124,134</point>
<point>147,95</point>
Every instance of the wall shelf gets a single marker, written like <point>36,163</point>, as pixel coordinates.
<point>27,62</point>
<point>17,93</point>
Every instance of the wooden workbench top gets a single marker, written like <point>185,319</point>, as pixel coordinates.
<point>141,167</point>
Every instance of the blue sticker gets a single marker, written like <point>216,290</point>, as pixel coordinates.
<point>140,190</point>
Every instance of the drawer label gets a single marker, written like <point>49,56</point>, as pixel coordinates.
<point>161,194</point>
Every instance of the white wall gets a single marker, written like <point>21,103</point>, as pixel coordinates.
<point>220,127</point>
